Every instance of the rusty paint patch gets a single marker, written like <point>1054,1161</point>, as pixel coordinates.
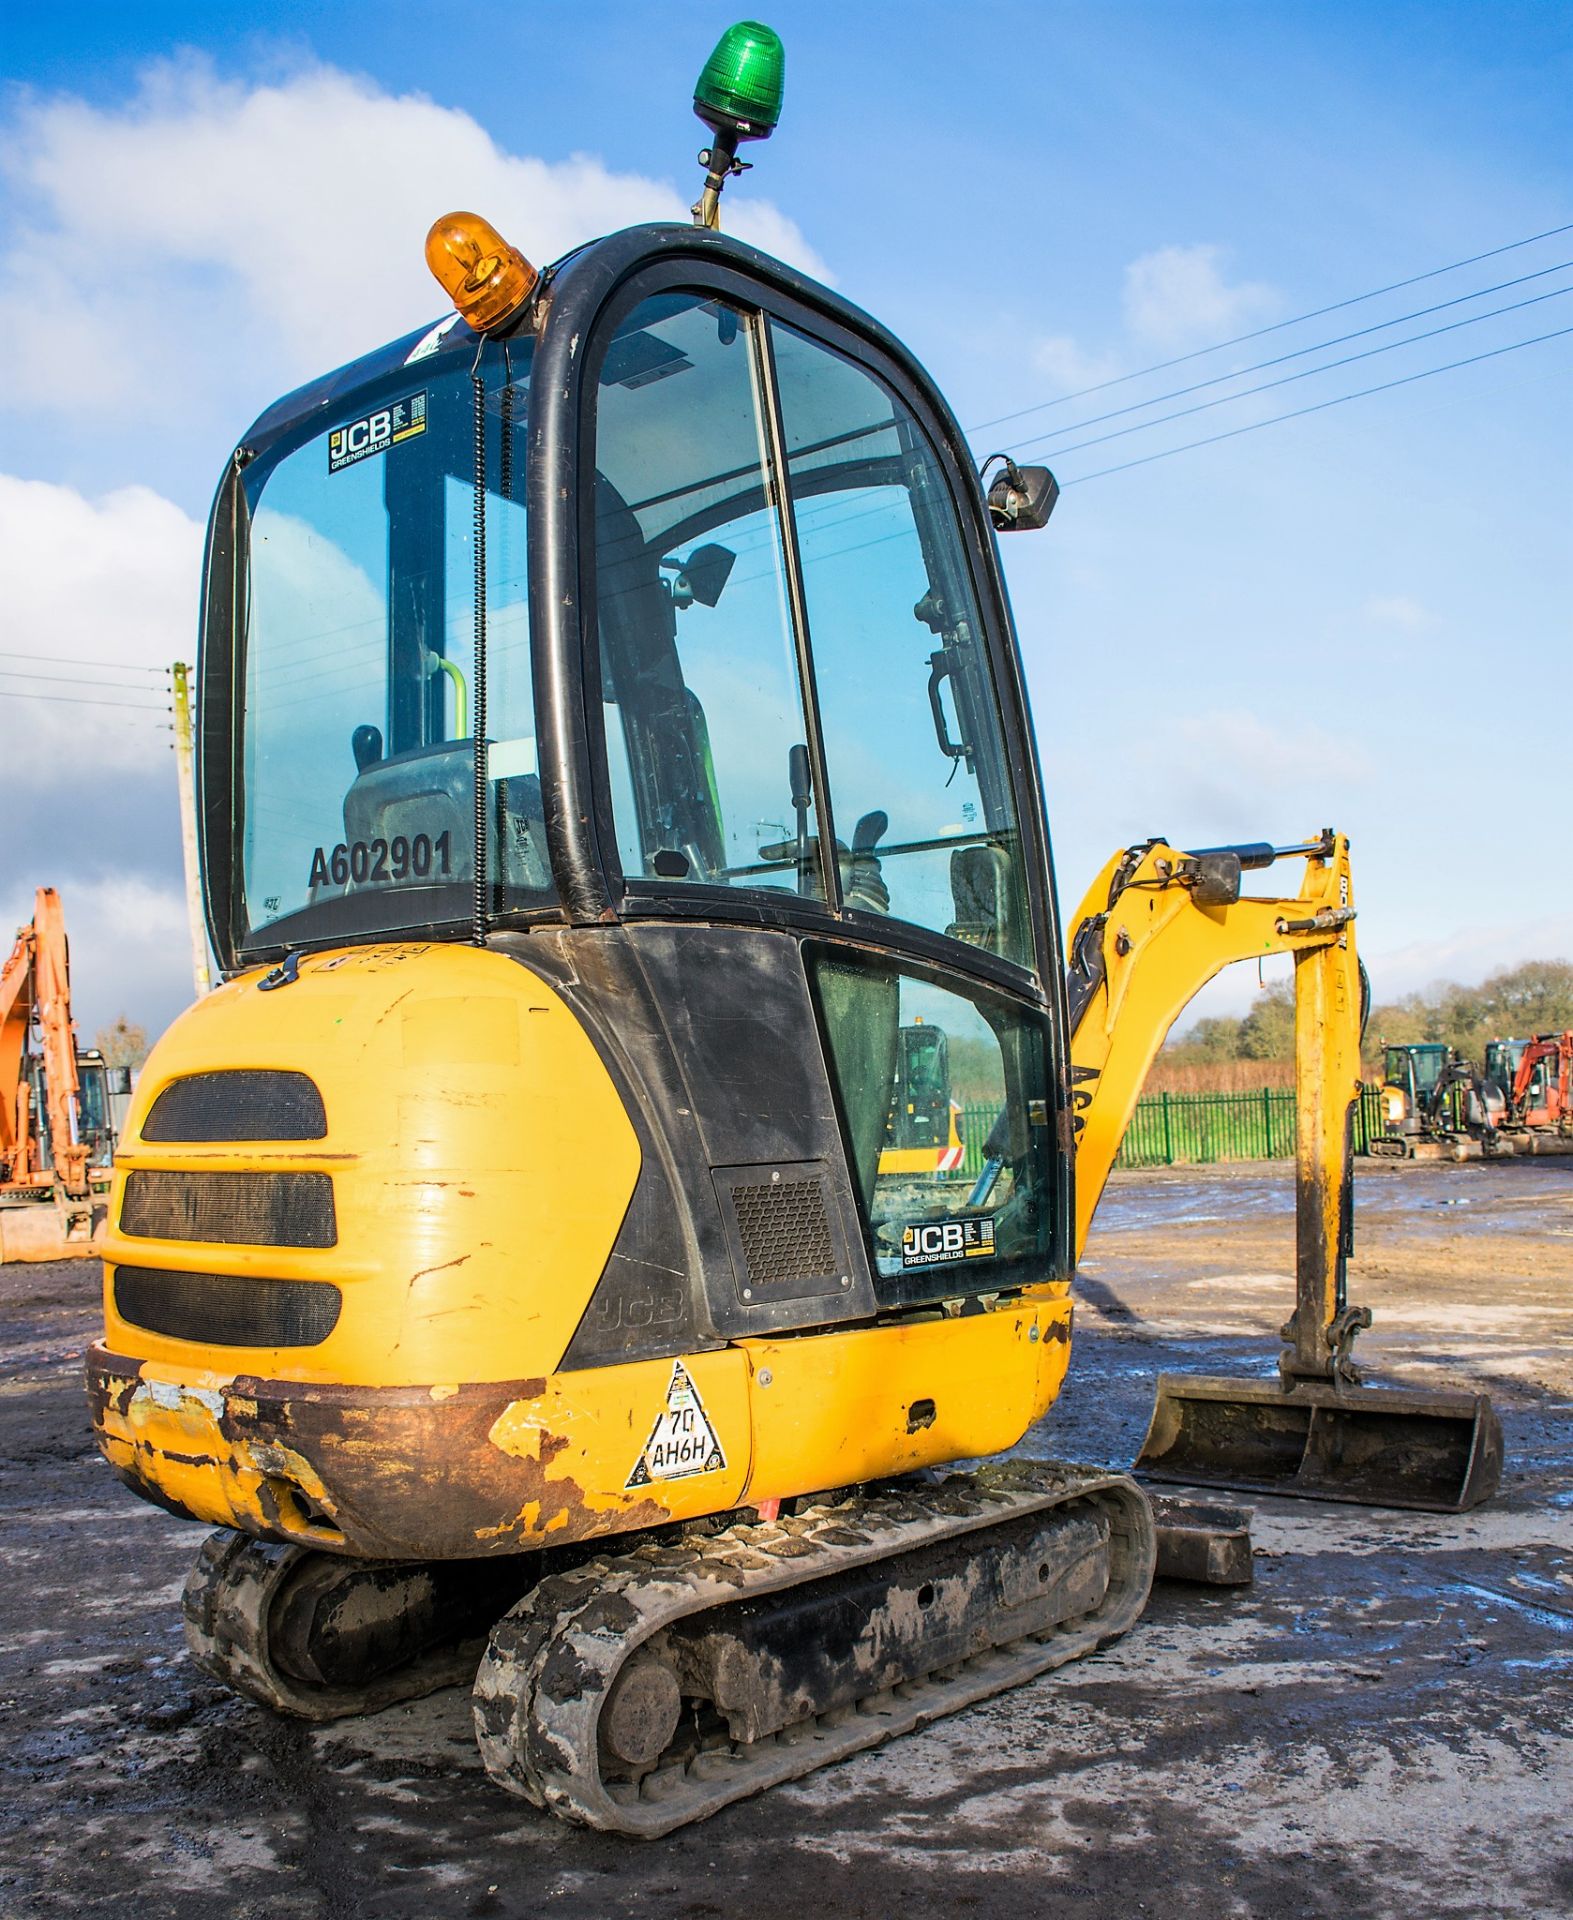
<point>404,1472</point>
<point>558,1506</point>
<point>409,1477</point>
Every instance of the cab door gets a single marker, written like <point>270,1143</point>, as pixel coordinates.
<point>807,718</point>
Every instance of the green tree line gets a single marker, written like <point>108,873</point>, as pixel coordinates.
<point>1536,997</point>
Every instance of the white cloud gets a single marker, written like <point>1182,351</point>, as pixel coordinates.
<point>1172,299</point>
<point>1177,297</point>
<point>291,214</point>
<point>1469,952</point>
<point>113,582</point>
<point>1218,776</point>
<point>1068,367</point>
<point>1264,754</point>
<point>1398,611</point>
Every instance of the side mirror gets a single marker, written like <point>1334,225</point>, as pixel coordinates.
<point>703,576</point>
<point>1021,498</point>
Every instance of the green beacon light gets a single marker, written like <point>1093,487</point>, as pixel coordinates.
<point>738,96</point>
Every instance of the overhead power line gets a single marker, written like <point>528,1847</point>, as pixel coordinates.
<point>79,700</point>
<point>1338,400</point>
<point>110,666</point>
<point>1278,326</point>
<point>1299,353</point>
<point>75,680</point>
<point>1305,373</point>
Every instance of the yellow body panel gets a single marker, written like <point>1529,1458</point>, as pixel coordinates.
<point>442,1472</point>
<point>842,1408</point>
<point>481,1161</point>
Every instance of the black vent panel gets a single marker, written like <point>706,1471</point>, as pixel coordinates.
<point>782,1230</point>
<point>245,1209</point>
<point>238,1104</point>
<point>227,1309</point>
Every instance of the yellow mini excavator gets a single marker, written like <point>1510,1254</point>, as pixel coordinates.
<point>613,737</point>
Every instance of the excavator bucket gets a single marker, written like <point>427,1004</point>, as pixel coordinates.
<point>1375,1446</point>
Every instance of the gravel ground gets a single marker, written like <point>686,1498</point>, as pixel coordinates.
<point>1378,1727</point>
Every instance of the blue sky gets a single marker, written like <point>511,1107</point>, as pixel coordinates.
<point>1358,618</point>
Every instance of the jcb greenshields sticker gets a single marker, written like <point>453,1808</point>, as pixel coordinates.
<point>376,432</point>
<point>934,1242</point>
<point>682,1441</point>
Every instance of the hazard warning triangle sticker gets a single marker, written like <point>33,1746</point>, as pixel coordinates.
<point>682,1441</point>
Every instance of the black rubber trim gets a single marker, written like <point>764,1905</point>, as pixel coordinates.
<point>227,1309</point>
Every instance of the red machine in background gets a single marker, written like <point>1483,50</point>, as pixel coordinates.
<point>1540,1103</point>
<point>56,1134</point>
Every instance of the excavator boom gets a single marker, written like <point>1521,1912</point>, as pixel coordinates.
<point>1157,924</point>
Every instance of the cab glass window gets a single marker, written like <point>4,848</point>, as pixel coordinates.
<point>944,1106</point>
<point>703,706</point>
<point>1429,1062</point>
<point>358,801</point>
<point>919,783</point>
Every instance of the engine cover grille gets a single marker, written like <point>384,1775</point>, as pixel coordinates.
<point>784,1231</point>
<point>238,1104</point>
<point>248,1209</point>
<point>781,1230</point>
<point>227,1309</point>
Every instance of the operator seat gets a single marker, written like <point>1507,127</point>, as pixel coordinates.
<point>431,791</point>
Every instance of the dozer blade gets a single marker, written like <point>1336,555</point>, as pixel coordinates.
<point>1374,1446</point>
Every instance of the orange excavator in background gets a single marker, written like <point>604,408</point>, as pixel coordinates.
<point>56,1137</point>
<point>1540,1097</point>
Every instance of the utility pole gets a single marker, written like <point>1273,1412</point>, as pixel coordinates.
<point>186,777</point>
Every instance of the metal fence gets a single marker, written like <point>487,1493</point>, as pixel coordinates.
<point>1182,1129</point>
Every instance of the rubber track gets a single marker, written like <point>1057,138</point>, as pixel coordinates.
<point>551,1661</point>
<point>228,1602</point>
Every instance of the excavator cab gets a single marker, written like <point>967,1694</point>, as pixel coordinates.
<point>921,1113</point>
<point>1413,1072</point>
<point>1540,1097</point>
<point>728,623</point>
<point>1502,1058</point>
<point>1435,1105</point>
